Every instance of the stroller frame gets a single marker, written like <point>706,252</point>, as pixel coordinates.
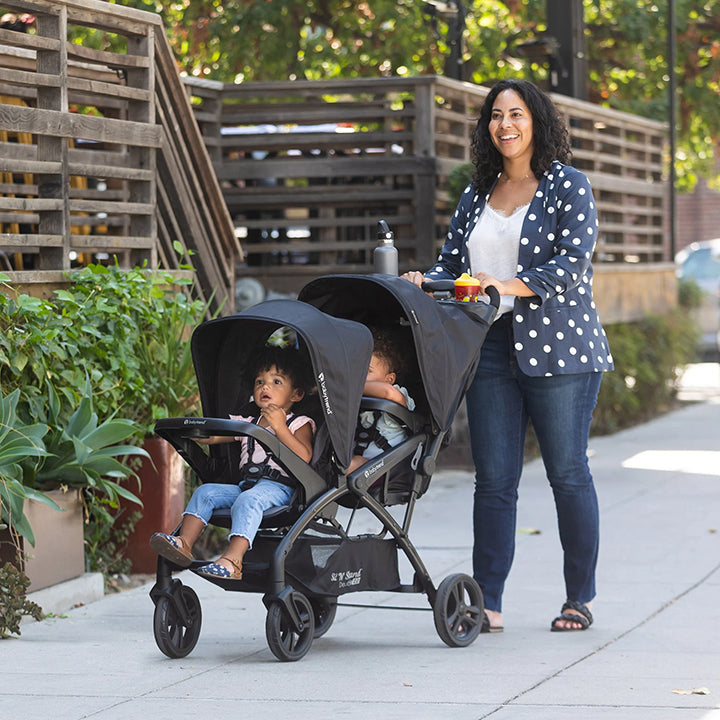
<point>301,605</point>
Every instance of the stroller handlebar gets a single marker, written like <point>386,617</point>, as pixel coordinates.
<point>448,286</point>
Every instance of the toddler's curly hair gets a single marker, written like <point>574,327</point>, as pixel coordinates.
<point>385,346</point>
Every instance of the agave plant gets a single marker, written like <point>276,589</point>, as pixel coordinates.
<point>83,453</point>
<point>20,444</point>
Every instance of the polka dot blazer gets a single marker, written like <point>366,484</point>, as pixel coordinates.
<point>558,330</point>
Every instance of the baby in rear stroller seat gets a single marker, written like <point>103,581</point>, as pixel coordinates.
<point>377,432</point>
<point>280,382</point>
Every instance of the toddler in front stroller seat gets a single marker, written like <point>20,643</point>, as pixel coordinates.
<point>377,432</point>
<point>280,382</point>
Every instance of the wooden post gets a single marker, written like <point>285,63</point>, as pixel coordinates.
<point>50,147</point>
<point>424,147</point>
<point>144,157</point>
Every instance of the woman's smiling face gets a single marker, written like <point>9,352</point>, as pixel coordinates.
<point>511,126</point>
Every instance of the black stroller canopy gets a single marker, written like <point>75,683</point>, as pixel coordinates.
<point>447,336</point>
<point>339,351</point>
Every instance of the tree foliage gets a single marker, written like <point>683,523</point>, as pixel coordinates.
<point>260,40</point>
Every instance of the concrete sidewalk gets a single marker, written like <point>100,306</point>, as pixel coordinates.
<point>656,631</point>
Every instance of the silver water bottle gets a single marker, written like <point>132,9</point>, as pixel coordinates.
<point>385,255</point>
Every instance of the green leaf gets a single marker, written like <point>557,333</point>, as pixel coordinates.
<point>110,432</point>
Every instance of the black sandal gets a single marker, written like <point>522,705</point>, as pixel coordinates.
<point>486,627</point>
<point>584,618</point>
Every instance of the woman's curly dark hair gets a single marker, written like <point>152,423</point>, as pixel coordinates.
<point>551,140</point>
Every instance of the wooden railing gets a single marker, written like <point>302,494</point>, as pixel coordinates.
<point>308,168</point>
<point>100,155</point>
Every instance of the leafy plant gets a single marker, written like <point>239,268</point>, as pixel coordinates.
<point>647,355</point>
<point>136,324</point>
<point>13,600</point>
<point>127,329</point>
<point>458,179</point>
<point>83,453</point>
<point>19,443</point>
<point>105,538</point>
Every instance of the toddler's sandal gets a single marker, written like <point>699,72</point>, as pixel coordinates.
<point>172,548</point>
<point>216,570</point>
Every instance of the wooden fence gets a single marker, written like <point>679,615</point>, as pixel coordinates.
<point>100,155</point>
<point>308,168</point>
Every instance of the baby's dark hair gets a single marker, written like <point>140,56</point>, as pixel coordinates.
<point>385,346</point>
<point>288,361</point>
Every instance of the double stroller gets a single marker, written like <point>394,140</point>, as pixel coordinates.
<point>304,557</point>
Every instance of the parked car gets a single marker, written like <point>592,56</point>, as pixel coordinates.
<point>700,261</point>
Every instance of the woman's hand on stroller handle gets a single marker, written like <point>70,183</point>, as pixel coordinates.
<point>448,286</point>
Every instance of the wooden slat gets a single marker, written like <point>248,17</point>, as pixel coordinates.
<point>336,222</point>
<point>30,166</point>
<point>31,204</point>
<point>109,242</point>
<point>95,87</point>
<point>21,77</point>
<point>110,171</point>
<point>59,124</point>
<point>22,240</point>
<point>306,246</point>
<point>110,59</point>
<point>27,41</point>
<point>96,206</point>
<point>323,167</point>
<point>23,218</point>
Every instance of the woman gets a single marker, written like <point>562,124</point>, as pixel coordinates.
<point>527,224</point>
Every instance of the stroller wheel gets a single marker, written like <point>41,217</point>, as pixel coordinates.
<point>177,622</point>
<point>285,641</point>
<point>324,609</point>
<point>458,610</point>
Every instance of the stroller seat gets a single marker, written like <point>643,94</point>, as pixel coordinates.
<point>274,517</point>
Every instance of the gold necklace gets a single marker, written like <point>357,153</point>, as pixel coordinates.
<point>506,179</point>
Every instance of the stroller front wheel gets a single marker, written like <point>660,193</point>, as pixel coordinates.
<point>458,610</point>
<point>324,609</point>
<point>177,621</point>
<point>285,640</point>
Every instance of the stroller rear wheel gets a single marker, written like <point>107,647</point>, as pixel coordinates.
<point>287,642</point>
<point>177,621</point>
<point>458,610</point>
<point>324,609</point>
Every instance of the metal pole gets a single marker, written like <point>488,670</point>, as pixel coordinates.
<point>673,127</point>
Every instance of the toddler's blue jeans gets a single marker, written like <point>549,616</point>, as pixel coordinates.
<point>246,506</point>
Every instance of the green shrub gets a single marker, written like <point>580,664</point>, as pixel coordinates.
<point>648,356</point>
<point>93,366</point>
<point>458,179</point>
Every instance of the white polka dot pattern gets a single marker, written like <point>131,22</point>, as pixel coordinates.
<point>554,330</point>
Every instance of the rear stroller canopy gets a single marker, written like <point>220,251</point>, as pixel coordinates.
<point>447,336</point>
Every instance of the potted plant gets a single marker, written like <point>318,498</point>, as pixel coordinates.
<point>72,453</point>
<point>141,323</point>
<point>127,330</point>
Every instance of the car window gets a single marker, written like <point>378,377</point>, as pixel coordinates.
<point>701,265</point>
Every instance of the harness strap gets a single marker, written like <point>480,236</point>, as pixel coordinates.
<point>253,471</point>
<point>366,435</point>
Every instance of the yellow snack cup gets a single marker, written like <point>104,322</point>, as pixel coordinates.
<point>467,288</point>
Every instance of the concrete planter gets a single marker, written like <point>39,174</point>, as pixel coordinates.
<point>162,491</point>
<point>59,552</point>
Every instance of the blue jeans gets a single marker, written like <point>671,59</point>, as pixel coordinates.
<point>246,506</point>
<point>501,400</point>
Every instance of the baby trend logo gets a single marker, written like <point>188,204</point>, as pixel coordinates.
<point>324,394</point>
